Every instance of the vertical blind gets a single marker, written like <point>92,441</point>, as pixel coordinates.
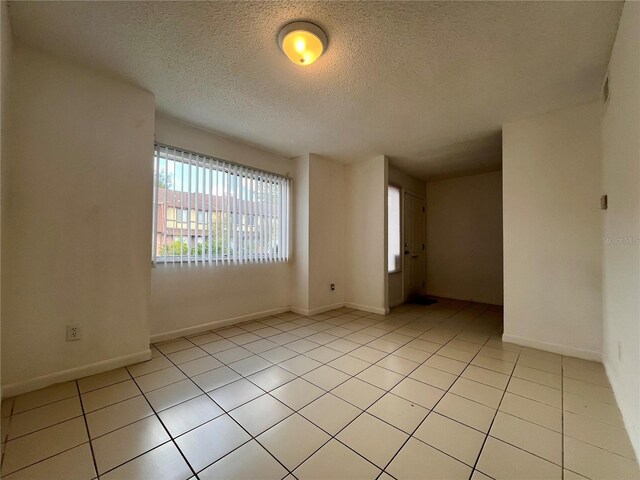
<point>206,210</point>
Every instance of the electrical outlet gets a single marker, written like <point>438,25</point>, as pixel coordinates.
<point>74,332</point>
<point>333,287</point>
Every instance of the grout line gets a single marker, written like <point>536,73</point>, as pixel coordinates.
<point>234,420</point>
<point>65,450</point>
<point>47,458</point>
<point>44,428</point>
<point>14,413</point>
<point>86,425</point>
<point>105,386</point>
<point>493,419</point>
<point>5,436</point>
<point>171,439</point>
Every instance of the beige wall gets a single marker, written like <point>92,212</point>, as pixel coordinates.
<point>416,187</point>
<point>552,230</point>
<point>75,222</point>
<point>330,248</point>
<point>299,296</point>
<point>192,298</point>
<point>408,183</point>
<point>621,253</point>
<point>366,208</point>
<point>464,238</point>
<point>6,48</point>
<point>326,233</point>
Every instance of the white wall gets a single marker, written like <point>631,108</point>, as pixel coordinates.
<point>366,250</point>
<point>193,298</point>
<point>621,253</point>
<point>75,222</point>
<point>326,233</point>
<point>416,187</point>
<point>464,238</point>
<point>552,252</point>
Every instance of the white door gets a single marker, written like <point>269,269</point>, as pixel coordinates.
<point>414,246</point>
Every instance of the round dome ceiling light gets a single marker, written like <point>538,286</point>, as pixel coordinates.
<point>302,42</point>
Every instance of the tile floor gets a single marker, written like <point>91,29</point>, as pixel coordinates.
<point>428,392</point>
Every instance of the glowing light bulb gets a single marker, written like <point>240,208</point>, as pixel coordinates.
<point>300,45</point>
<point>302,42</point>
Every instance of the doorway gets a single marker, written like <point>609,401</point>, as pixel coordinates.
<point>414,265</point>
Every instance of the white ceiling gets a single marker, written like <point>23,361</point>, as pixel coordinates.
<point>427,83</point>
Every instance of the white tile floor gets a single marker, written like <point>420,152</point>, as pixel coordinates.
<point>426,392</point>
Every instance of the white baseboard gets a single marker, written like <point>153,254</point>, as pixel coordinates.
<point>300,310</point>
<point>183,332</point>
<point>36,383</point>
<point>367,308</point>
<point>553,347</point>
<point>317,310</point>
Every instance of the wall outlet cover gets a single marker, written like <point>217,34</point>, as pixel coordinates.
<point>74,332</point>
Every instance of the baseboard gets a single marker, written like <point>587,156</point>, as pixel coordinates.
<point>300,311</point>
<point>459,297</point>
<point>183,332</point>
<point>317,310</point>
<point>367,308</point>
<point>553,347</point>
<point>36,383</point>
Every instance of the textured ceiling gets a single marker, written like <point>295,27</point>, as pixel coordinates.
<point>427,83</point>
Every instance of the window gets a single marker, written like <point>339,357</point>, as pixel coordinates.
<point>206,210</point>
<point>393,232</point>
<point>203,217</point>
<point>180,215</point>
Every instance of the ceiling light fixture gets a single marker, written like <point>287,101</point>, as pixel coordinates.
<point>302,42</point>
